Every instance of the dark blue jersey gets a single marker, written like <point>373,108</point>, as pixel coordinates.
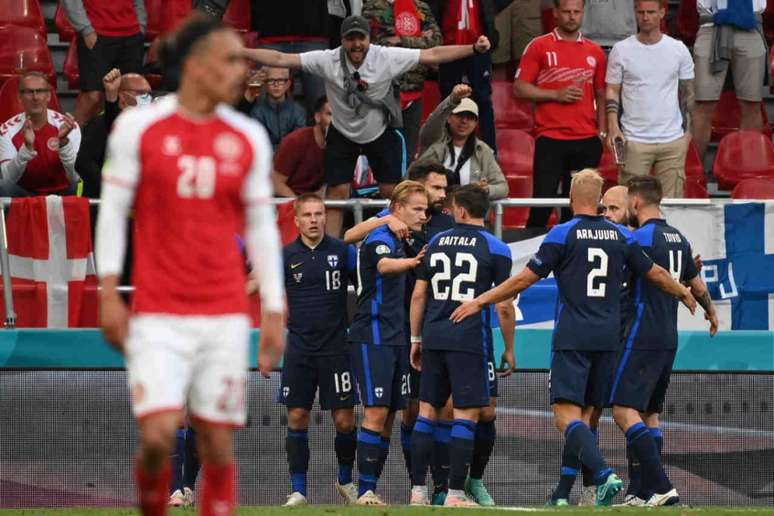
<point>627,303</point>
<point>461,264</point>
<point>316,283</point>
<point>381,313</point>
<point>655,321</point>
<point>587,255</point>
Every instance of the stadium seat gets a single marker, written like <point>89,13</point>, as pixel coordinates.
<point>70,68</point>
<point>756,188</point>
<point>727,117</point>
<point>24,49</point>
<point>687,22</point>
<point>9,100</point>
<point>549,23</point>
<point>510,112</point>
<point>431,97</point>
<point>516,150</point>
<point>172,12</point>
<point>22,13</point>
<point>743,155</point>
<point>63,26</point>
<point>608,169</point>
<point>768,22</point>
<point>237,15</point>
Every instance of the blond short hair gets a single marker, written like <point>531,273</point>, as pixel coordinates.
<point>587,183</point>
<point>404,190</point>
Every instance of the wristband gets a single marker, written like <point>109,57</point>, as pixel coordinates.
<point>416,339</point>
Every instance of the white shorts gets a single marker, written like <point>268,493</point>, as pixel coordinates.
<point>174,361</point>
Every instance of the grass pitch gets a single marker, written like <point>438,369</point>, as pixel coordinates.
<point>403,510</point>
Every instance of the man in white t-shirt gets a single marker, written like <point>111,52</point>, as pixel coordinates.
<point>359,101</point>
<point>652,75</point>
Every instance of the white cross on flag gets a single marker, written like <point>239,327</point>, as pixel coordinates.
<point>52,264</point>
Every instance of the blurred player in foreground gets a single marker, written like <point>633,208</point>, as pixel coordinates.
<point>457,360</point>
<point>587,255</point>
<point>195,173</point>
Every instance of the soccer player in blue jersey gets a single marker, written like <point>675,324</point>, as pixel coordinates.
<point>587,255</point>
<point>642,375</point>
<point>378,333</point>
<point>317,356</point>
<point>615,208</point>
<point>434,177</point>
<point>457,360</point>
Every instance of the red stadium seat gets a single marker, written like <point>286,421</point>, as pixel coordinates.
<point>727,117</point>
<point>756,188</point>
<point>687,22</point>
<point>9,100</point>
<point>516,150</point>
<point>695,178</point>
<point>510,112</point>
<point>768,22</point>
<point>24,49</point>
<point>70,69</point>
<point>22,13</point>
<point>63,26</point>
<point>743,155</point>
<point>549,23</point>
<point>607,168</point>
<point>431,97</point>
<point>237,15</point>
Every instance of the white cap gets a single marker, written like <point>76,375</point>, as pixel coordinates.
<point>466,105</point>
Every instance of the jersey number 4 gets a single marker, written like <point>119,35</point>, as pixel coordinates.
<point>441,292</point>
<point>197,177</point>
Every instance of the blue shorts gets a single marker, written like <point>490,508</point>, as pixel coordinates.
<point>414,377</point>
<point>582,377</point>
<point>642,378</point>
<point>382,374</point>
<point>303,374</point>
<point>468,378</point>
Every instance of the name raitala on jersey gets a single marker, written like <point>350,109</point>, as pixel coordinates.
<point>457,240</point>
<point>596,234</point>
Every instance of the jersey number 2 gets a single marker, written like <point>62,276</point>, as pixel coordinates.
<point>597,272</point>
<point>197,177</point>
<point>442,294</point>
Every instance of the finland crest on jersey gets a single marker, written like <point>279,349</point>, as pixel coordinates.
<point>333,260</point>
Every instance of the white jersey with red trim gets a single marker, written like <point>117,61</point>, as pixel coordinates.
<point>193,184</point>
<point>45,169</point>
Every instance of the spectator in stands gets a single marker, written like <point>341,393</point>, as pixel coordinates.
<point>730,36</point>
<point>449,137</point>
<point>407,24</point>
<point>644,71</point>
<point>366,114</point>
<point>461,24</point>
<point>294,26</point>
<point>38,147</point>
<point>337,11</point>
<point>298,163</point>
<point>607,23</point>
<point>274,108</point>
<point>110,35</point>
<point>516,25</point>
<point>564,74</point>
<point>121,91</point>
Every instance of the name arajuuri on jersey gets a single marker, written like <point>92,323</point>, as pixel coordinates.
<point>596,234</point>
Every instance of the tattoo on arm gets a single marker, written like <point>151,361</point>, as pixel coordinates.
<point>687,102</point>
<point>704,300</point>
<point>612,106</point>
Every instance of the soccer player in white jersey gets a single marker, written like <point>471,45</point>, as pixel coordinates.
<point>195,173</point>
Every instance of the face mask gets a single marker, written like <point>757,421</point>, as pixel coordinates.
<point>144,99</point>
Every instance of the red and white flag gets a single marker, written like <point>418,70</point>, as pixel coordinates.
<point>51,262</point>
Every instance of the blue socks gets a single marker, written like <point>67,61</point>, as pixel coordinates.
<point>643,446</point>
<point>178,461</point>
<point>191,460</point>
<point>405,446</point>
<point>441,459</point>
<point>580,441</point>
<point>345,445</point>
<point>297,447</point>
<point>486,433</point>
<point>461,452</point>
<point>369,449</point>
<point>588,475</point>
<point>422,443</point>
<point>570,466</point>
<point>658,437</point>
<point>384,451</point>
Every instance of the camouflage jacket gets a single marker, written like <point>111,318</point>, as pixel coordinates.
<point>379,14</point>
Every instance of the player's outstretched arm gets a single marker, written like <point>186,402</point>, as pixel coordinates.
<point>505,290</point>
<point>359,232</point>
<point>273,58</point>
<point>448,53</point>
<point>699,291</point>
<point>392,266</point>
<point>506,314</point>
<point>416,317</point>
<point>663,280</point>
